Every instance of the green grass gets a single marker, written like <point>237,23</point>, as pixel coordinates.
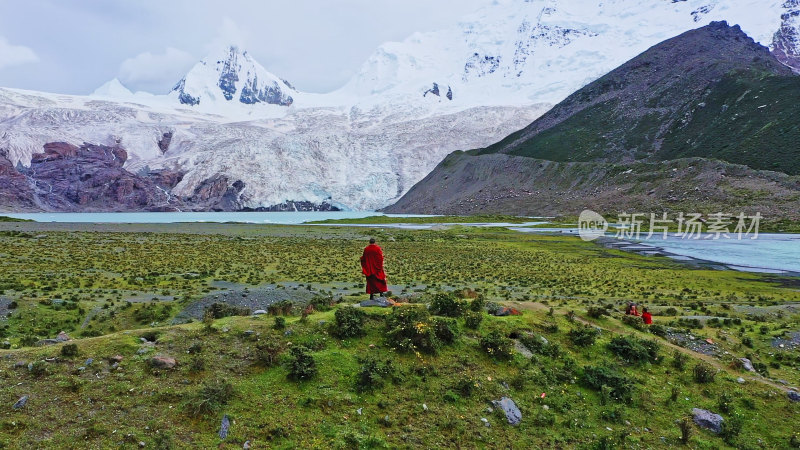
<point>13,219</point>
<point>100,407</point>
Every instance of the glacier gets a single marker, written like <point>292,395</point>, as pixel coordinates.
<point>411,103</point>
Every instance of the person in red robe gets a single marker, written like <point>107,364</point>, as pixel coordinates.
<point>647,317</point>
<point>372,268</point>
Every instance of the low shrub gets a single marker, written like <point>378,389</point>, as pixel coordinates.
<point>679,360</point>
<point>478,304</point>
<point>473,319</point>
<point>446,304</point>
<point>704,373</point>
<point>634,322</point>
<point>372,373</point>
<point>634,350</point>
<point>409,329</point>
<point>658,330</point>
<point>596,312</point>
<point>69,350</point>
<point>583,336</point>
<point>446,330</point>
<point>538,344</point>
<point>211,397</point>
<point>497,345</point>
<point>268,351</point>
<point>220,310</point>
<point>281,308</point>
<point>348,322</point>
<point>280,323</point>
<point>620,387</point>
<point>301,363</point>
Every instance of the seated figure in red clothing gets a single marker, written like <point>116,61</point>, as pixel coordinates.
<point>372,267</point>
<point>646,317</point>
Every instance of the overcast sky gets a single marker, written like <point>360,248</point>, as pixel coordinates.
<point>74,46</point>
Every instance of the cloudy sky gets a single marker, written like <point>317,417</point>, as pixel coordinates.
<point>74,46</point>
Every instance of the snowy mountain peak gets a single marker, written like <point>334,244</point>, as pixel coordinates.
<point>232,75</point>
<point>112,89</point>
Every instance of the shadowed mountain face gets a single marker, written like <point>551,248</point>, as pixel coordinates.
<point>709,93</point>
<point>698,94</point>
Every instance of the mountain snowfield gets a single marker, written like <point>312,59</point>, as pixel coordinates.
<point>411,103</point>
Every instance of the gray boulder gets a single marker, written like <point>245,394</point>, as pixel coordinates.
<point>747,365</point>
<point>708,420</point>
<point>513,414</point>
<point>794,396</point>
<point>223,429</point>
<point>21,402</point>
<point>379,302</point>
<point>259,312</point>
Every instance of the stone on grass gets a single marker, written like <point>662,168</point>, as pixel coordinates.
<point>116,359</point>
<point>63,337</point>
<point>708,420</point>
<point>162,362</point>
<point>794,396</point>
<point>259,312</point>
<point>223,429</point>
<point>740,380</point>
<point>513,414</point>
<point>747,365</point>
<point>379,302</point>
<point>21,402</point>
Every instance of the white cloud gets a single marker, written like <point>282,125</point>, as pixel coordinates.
<point>14,55</point>
<point>148,69</point>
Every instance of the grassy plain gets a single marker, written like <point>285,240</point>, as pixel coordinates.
<point>108,286</point>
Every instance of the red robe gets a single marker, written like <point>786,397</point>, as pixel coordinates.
<point>648,318</point>
<point>372,268</point>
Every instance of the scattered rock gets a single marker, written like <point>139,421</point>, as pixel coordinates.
<point>143,350</point>
<point>223,429</point>
<point>248,333</point>
<point>63,337</point>
<point>485,421</point>
<point>21,402</point>
<point>20,364</point>
<point>794,396</point>
<point>116,359</point>
<point>259,312</point>
<point>246,445</point>
<point>708,420</point>
<point>359,410</point>
<point>88,362</point>
<point>379,302</point>
<point>506,311</point>
<point>747,365</point>
<point>740,380</point>
<point>162,362</point>
<point>513,414</point>
<point>142,444</point>
<point>44,342</point>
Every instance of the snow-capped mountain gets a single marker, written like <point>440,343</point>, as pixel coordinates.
<point>232,75</point>
<point>230,123</point>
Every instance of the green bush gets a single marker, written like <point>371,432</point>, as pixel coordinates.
<point>268,351</point>
<point>679,360</point>
<point>211,397</point>
<point>473,319</point>
<point>596,312</point>
<point>497,345</point>
<point>634,350</point>
<point>69,350</point>
<point>538,344</point>
<point>583,336</point>
<point>280,323</point>
<point>658,330</point>
<point>301,364</point>
<point>446,330</point>
<point>446,304</point>
<point>620,387</point>
<point>39,369</point>
<point>372,373</point>
<point>348,322</point>
<point>220,310</point>
<point>409,329</point>
<point>633,321</point>
<point>477,304</point>
<point>704,373</point>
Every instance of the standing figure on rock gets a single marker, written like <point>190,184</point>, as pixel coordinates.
<point>372,267</point>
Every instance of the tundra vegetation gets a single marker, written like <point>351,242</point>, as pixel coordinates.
<point>323,373</point>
